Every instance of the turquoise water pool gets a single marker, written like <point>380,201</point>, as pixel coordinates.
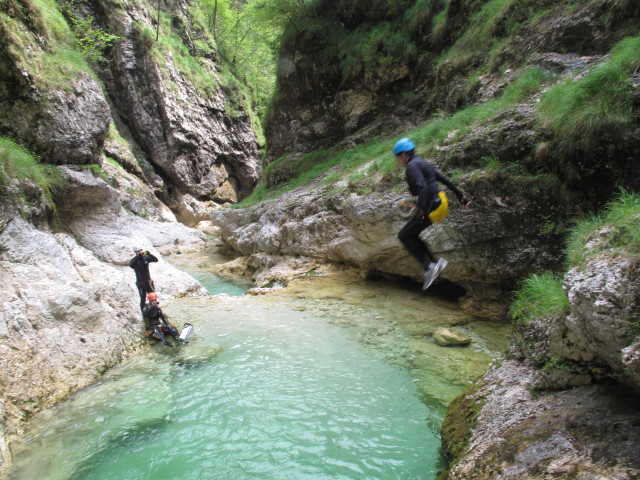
<point>262,391</point>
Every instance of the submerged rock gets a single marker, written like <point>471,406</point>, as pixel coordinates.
<point>445,337</point>
<point>194,356</point>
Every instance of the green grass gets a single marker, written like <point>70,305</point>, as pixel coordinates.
<point>540,295</point>
<point>316,164</point>
<point>16,162</point>
<point>578,113</point>
<point>184,61</point>
<point>59,61</point>
<point>621,219</point>
<point>378,153</point>
<point>615,232</point>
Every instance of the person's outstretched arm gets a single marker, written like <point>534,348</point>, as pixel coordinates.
<point>462,198</point>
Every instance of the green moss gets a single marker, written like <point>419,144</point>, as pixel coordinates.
<point>462,416</point>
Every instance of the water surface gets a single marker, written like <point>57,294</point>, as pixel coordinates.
<point>331,378</point>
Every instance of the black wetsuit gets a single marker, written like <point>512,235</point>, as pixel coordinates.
<point>157,324</point>
<point>140,265</point>
<point>422,179</point>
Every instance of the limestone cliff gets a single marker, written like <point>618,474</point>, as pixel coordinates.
<point>174,128</point>
<point>138,146</point>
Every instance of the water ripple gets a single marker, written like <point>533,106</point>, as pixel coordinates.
<point>290,397</point>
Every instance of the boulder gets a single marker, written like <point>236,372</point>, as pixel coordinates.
<point>445,337</point>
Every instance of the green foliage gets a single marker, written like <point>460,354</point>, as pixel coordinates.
<point>480,33</point>
<point>96,171</point>
<point>370,48</point>
<point>633,330</point>
<point>92,40</point>
<point>16,162</point>
<point>60,61</point>
<point>579,112</point>
<point>616,231</point>
<point>557,363</point>
<point>316,164</point>
<point>418,15</point>
<point>247,39</point>
<point>114,162</point>
<point>189,65</point>
<point>540,295</point>
<point>428,136</point>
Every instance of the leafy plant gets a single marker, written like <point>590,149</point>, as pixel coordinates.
<point>557,363</point>
<point>92,39</point>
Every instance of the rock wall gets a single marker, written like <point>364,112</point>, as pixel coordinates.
<point>340,84</point>
<point>565,403</point>
<point>510,230</point>
<point>138,146</point>
<point>144,110</point>
<point>201,155</point>
<point>69,306</point>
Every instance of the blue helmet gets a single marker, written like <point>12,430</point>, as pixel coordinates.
<point>404,145</point>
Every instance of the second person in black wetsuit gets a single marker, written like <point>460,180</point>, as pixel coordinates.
<point>140,265</point>
<point>423,179</point>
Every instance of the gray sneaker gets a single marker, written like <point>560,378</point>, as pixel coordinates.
<point>440,266</point>
<point>429,277</point>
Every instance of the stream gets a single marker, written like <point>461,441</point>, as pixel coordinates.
<point>332,377</point>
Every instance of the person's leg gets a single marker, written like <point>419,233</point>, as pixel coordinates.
<point>410,238</point>
<point>142,291</point>
<point>158,333</point>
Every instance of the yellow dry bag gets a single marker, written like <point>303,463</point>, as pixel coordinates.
<point>442,211</point>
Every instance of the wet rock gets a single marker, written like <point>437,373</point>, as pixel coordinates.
<point>552,410</point>
<point>506,429</point>
<point>445,337</point>
<point>194,356</point>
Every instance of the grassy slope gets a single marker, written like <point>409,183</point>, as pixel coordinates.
<point>572,114</point>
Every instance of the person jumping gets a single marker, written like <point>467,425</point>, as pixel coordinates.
<point>432,206</point>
